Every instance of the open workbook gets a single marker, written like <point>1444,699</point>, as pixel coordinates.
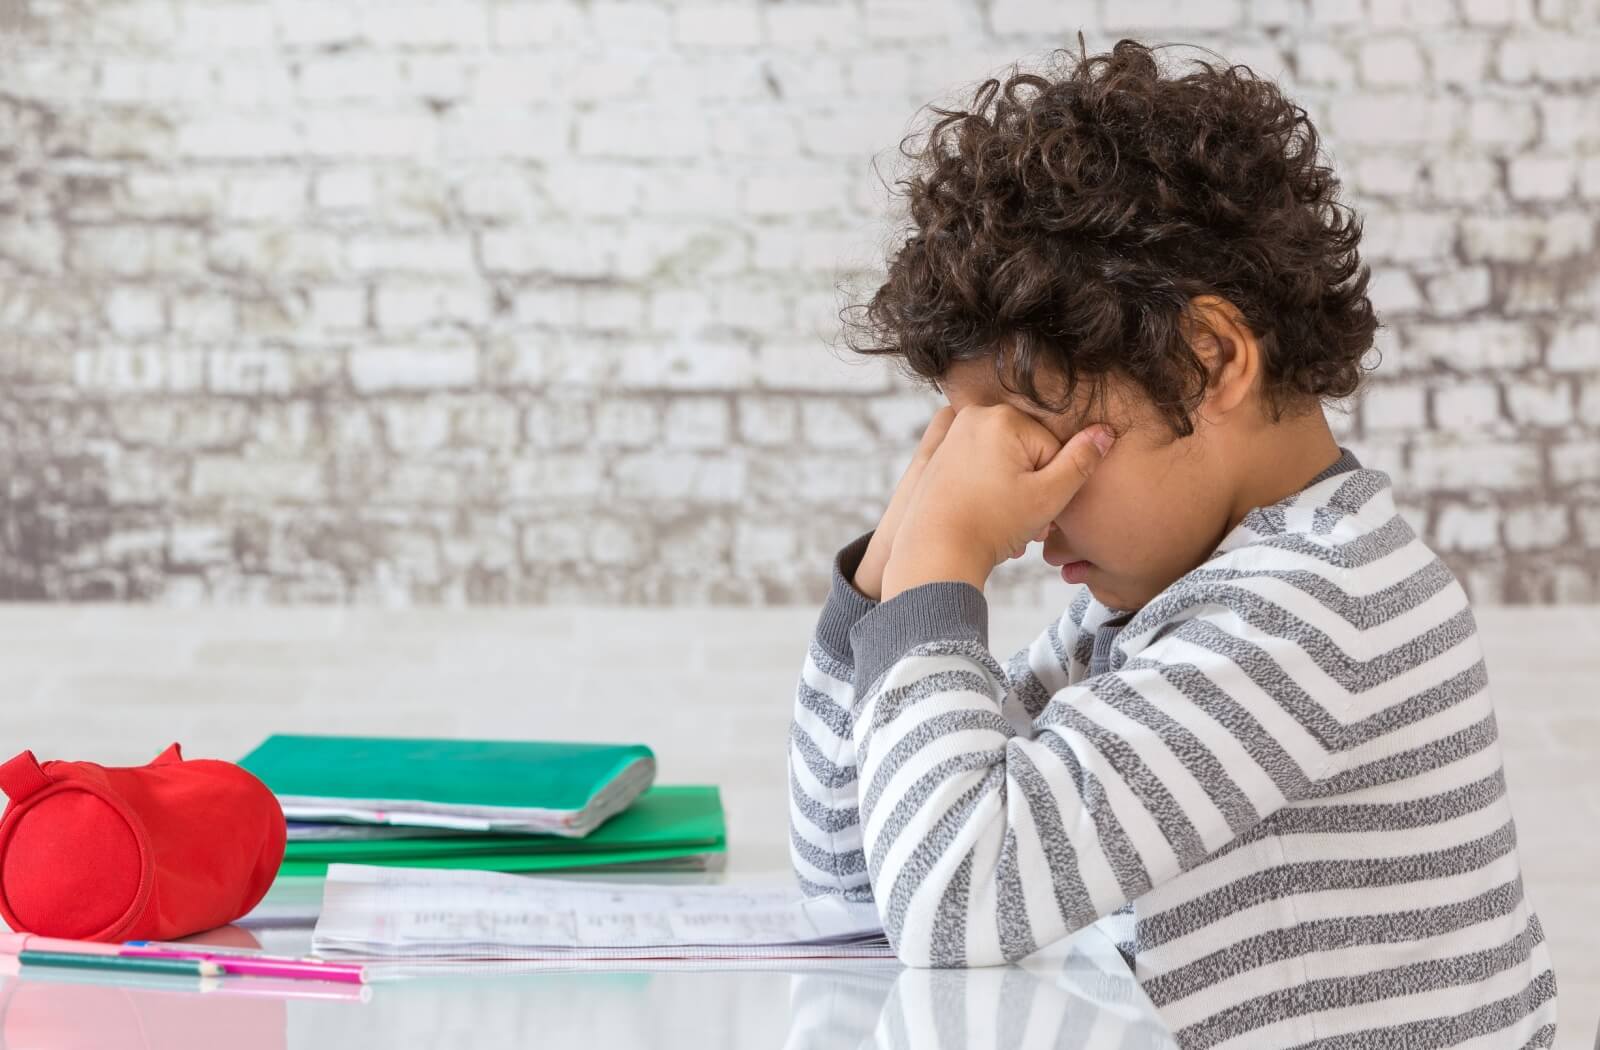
<point>401,913</point>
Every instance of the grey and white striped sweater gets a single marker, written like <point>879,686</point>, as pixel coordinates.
<point>1278,785</point>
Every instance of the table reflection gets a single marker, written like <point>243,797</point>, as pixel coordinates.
<point>85,1011</point>
<point>1079,994</point>
<point>1081,997</point>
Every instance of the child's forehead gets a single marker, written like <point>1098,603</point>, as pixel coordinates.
<point>1092,400</point>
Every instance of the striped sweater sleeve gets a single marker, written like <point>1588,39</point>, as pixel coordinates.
<point>984,843</point>
<point>824,827</point>
<point>824,820</point>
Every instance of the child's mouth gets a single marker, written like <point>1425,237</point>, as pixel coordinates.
<point>1075,571</point>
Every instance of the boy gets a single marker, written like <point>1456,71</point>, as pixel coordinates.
<point>1258,746</point>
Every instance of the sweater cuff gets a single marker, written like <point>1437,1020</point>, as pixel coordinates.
<point>845,604</point>
<point>945,610</point>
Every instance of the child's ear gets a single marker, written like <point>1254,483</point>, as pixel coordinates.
<point>1225,345</point>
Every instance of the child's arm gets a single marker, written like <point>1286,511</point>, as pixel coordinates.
<point>824,822</point>
<point>824,827</point>
<point>1057,658</point>
<point>985,844</point>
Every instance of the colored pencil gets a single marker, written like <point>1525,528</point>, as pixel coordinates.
<point>130,964</point>
<point>228,960</point>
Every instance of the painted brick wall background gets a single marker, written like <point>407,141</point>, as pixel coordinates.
<point>493,301</point>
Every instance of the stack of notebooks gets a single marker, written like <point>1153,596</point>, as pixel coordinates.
<point>516,806</point>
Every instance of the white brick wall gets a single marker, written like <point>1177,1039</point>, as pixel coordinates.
<point>505,300</point>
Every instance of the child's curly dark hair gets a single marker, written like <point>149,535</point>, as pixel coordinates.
<point>1071,228</point>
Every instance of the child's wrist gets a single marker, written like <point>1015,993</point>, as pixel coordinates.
<point>869,584</point>
<point>914,564</point>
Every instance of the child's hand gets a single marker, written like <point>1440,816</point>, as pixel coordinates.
<point>869,574</point>
<point>996,481</point>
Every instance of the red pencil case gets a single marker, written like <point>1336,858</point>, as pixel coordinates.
<point>155,852</point>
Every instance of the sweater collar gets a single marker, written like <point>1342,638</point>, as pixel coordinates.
<point>1274,519</point>
<point>1347,461</point>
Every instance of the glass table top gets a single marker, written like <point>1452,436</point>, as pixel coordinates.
<point>1076,993</point>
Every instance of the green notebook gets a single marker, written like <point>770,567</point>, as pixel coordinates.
<point>523,786</point>
<point>672,823</point>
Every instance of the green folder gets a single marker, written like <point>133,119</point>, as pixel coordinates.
<point>525,786</point>
<point>666,823</point>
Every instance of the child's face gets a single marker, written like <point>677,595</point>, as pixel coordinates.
<point>1154,509</point>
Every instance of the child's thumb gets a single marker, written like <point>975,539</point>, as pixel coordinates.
<point>1076,460</point>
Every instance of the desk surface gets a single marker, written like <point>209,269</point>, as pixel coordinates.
<point>709,688</point>
<point>1077,993</point>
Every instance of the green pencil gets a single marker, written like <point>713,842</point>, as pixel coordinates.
<point>126,963</point>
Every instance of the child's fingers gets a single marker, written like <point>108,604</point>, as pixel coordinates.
<point>1074,462</point>
<point>932,436</point>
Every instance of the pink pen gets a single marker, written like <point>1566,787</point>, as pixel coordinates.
<point>246,965</point>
